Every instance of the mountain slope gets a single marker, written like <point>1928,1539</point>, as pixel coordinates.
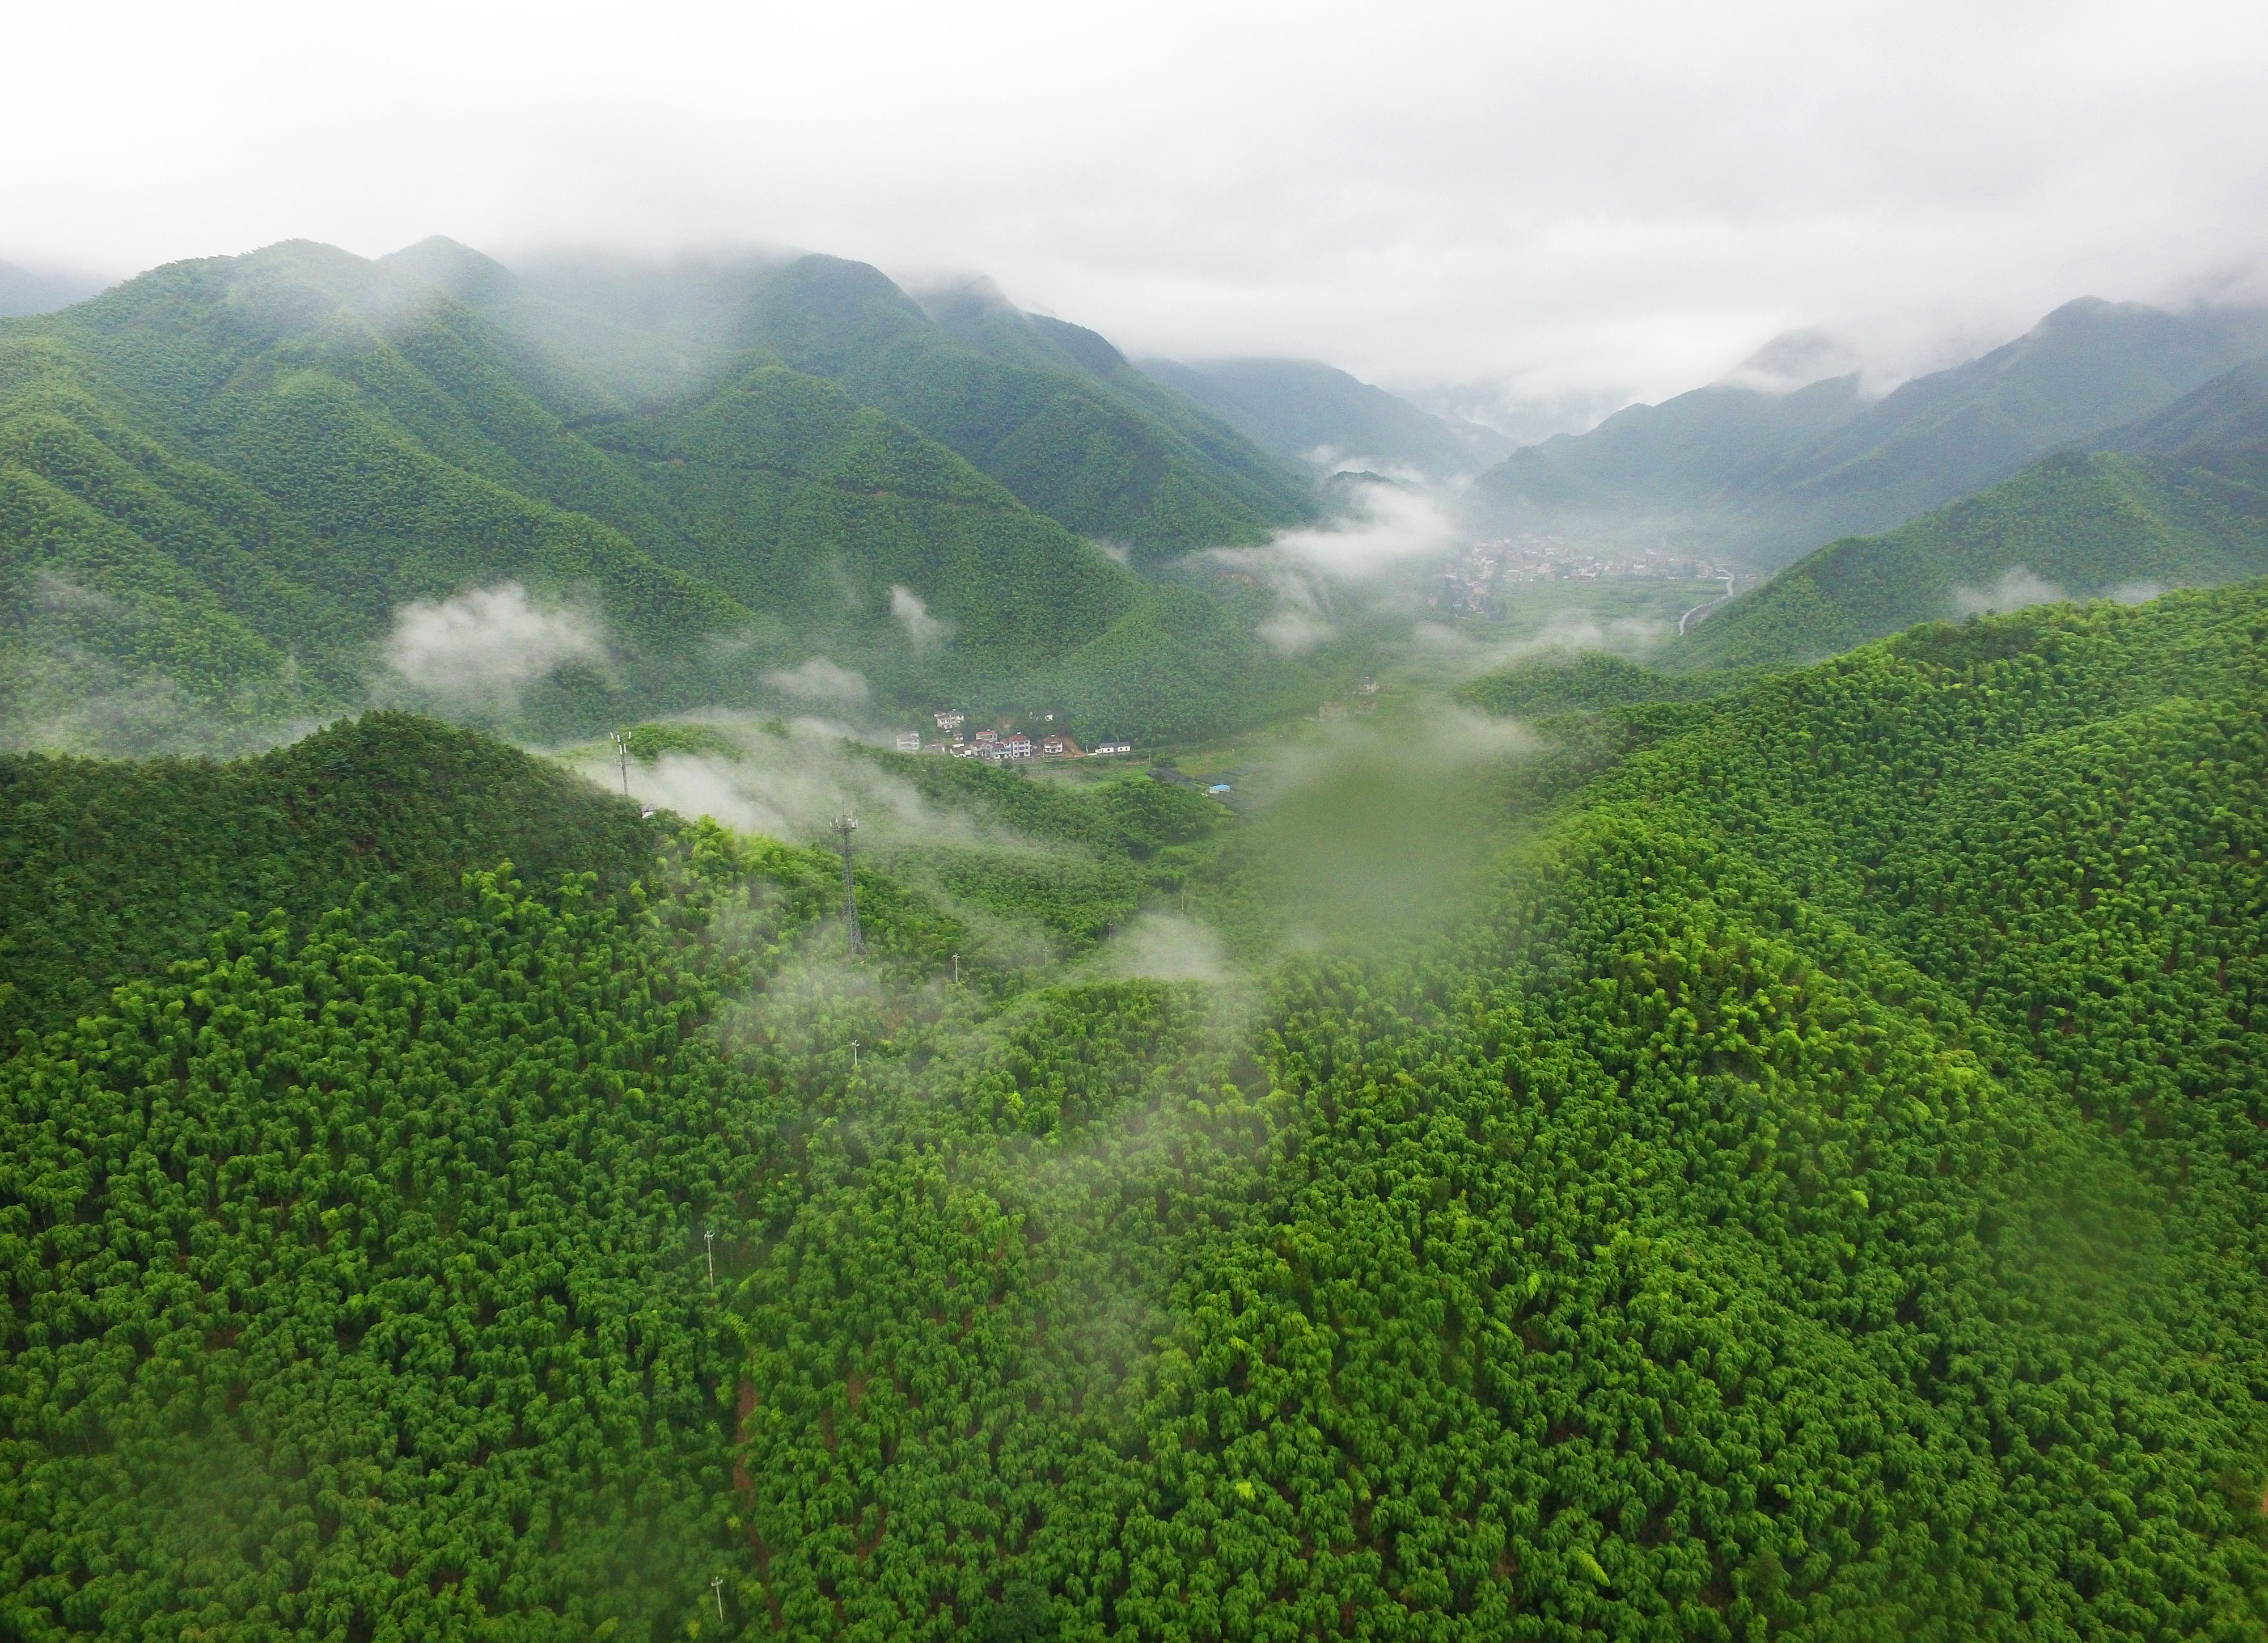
<point>1726,468</point>
<point>281,449</point>
<point>1070,444</point>
<point>222,483</point>
<point>2085,367</point>
<point>2072,526</point>
<point>26,290</point>
<point>2228,413</point>
<point>116,869</point>
<point>1812,1185</point>
<point>1051,410</point>
<point>1302,408</point>
<point>1660,460</point>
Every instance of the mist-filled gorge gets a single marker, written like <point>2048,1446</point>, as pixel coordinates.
<point>1187,827</point>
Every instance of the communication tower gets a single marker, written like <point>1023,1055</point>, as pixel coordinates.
<point>844,827</point>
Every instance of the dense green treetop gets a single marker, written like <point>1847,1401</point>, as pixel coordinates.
<point>1806,1179</point>
<point>114,869</point>
<point>1552,682</point>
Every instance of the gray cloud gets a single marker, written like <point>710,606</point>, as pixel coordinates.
<point>1552,206</point>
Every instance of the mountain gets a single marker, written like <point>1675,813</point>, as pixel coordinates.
<point>1650,467</point>
<point>1804,1177</point>
<point>1729,470</point>
<point>25,291</point>
<point>2228,413</point>
<point>116,869</point>
<point>225,486</point>
<point>2073,527</point>
<point>1313,413</point>
<point>1051,410</point>
<point>648,333</point>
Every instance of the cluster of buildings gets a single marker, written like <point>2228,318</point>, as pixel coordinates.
<point>1003,746</point>
<point>1364,701</point>
<point>1470,585</point>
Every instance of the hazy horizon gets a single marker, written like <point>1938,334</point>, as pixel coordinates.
<point>1546,213</point>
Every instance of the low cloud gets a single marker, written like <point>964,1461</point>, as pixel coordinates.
<point>1165,946</point>
<point>481,650</point>
<point>787,782</point>
<point>2017,587</point>
<point>2134,593</point>
<point>925,630</point>
<point>819,680</point>
<point>1369,826</point>
<point>1387,525</point>
<point>1292,633</point>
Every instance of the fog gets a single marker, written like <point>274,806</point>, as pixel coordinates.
<point>1543,210</point>
<point>480,651</point>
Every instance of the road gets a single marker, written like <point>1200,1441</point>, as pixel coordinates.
<point>1707,604</point>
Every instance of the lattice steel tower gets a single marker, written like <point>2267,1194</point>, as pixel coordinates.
<point>844,827</point>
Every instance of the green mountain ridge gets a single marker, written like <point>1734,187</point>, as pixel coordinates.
<point>2079,527</point>
<point>1049,409</point>
<point>221,482</point>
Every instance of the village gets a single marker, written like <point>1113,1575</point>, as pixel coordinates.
<point>996,747</point>
<point>1470,585</point>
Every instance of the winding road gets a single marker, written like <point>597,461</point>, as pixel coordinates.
<point>1707,604</point>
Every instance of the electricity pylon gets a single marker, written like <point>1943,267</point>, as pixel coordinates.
<point>844,827</point>
<point>623,756</point>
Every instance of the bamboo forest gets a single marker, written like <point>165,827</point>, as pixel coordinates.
<point>1801,1173</point>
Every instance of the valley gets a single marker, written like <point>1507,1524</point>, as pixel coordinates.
<point>1657,1035</point>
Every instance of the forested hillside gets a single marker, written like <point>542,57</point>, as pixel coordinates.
<point>224,484</point>
<point>113,870</point>
<point>2074,527</point>
<point>2229,413</point>
<point>1804,1177</point>
<point>1051,410</point>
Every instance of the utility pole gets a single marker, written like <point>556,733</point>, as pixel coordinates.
<point>854,1055</point>
<point>710,1237</point>
<point>716,1585</point>
<point>845,825</point>
<point>622,756</point>
<point>956,969</point>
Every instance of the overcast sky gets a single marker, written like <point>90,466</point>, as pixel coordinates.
<point>1575,200</point>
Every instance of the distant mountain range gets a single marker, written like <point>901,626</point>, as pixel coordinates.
<point>1318,415</point>
<point>222,483</point>
<point>2177,498</point>
<point>1760,476</point>
<point>29,290</point>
